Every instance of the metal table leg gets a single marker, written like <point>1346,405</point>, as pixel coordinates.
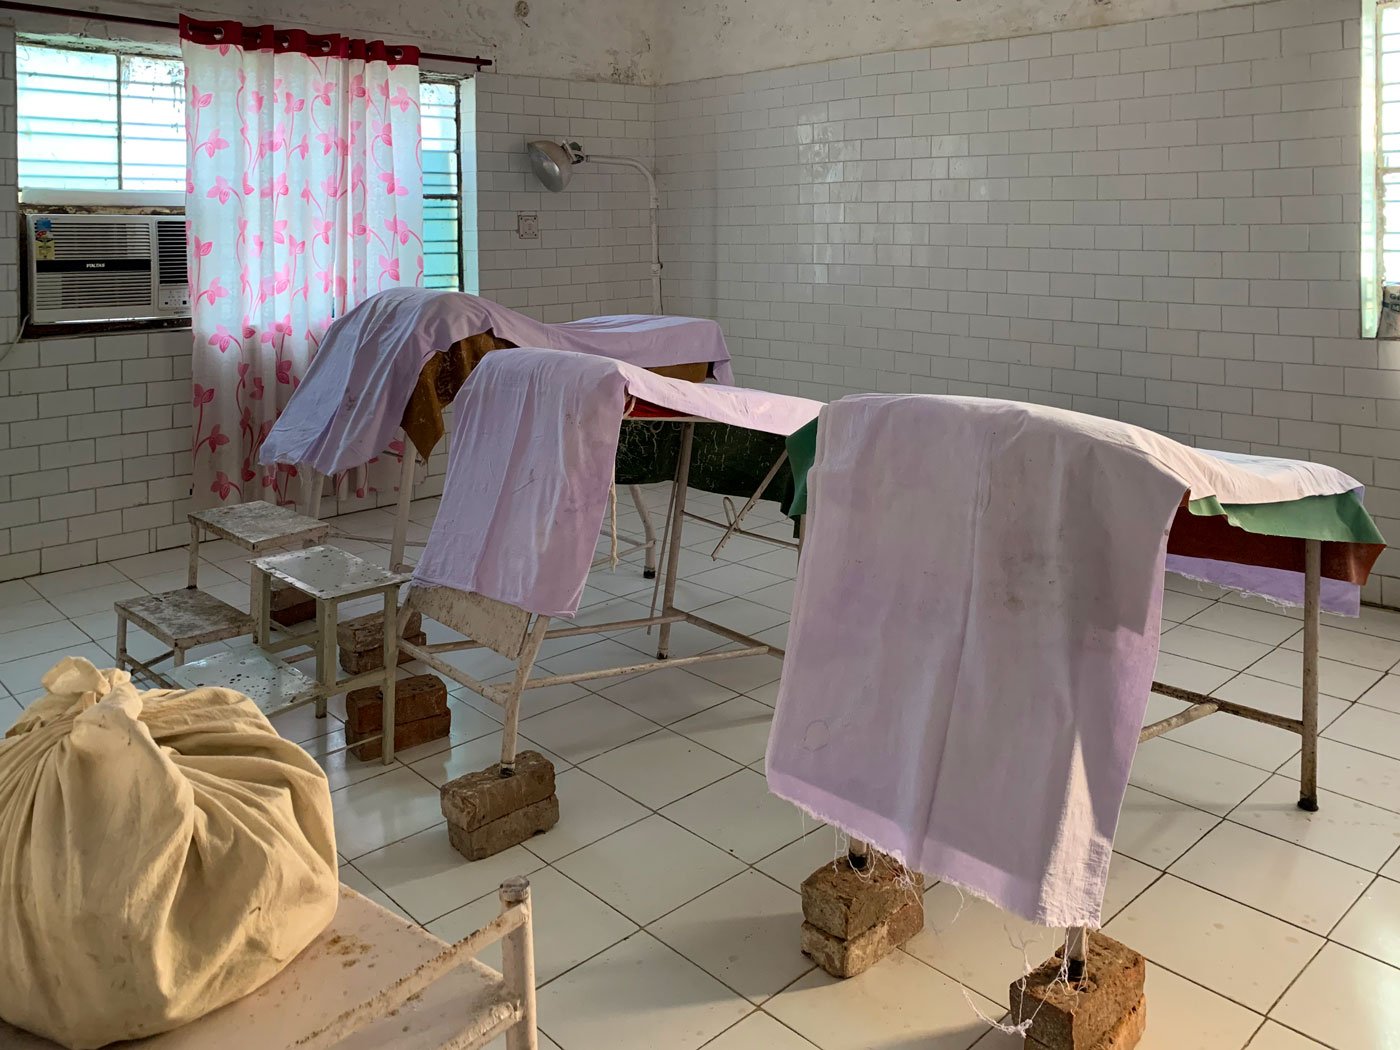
<point>524,665</point>
<point>648,531</point>
<point>1312,594</point>
<point>121,640</point>
<point>315,483</point>
<point>736,520</point>
<point>858,854</point>
<point>673,549</point>
<point>391,673</point>
<point>396,563</point>
<point>1076,952</point>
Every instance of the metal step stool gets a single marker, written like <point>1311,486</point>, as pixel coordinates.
<point>187,618</point>
<point>179,619</point>
<point>257,527</point>
<point>329,576</point>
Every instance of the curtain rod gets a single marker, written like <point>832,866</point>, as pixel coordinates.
<point>133,20</point>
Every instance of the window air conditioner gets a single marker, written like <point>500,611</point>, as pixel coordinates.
<point>106,267</point>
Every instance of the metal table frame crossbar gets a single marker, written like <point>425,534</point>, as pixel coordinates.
<point>517,635</point>
<point>398,541</point>
<point>734,523</point>
<point>1306,725</point>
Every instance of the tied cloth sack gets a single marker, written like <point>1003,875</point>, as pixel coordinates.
<point>161,854</point>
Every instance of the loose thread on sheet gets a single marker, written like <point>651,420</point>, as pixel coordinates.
<point>1024,1026</point>
<point>1061,977</point>
<point>841,847</point>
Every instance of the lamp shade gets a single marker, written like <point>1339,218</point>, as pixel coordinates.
<point>552,163</point>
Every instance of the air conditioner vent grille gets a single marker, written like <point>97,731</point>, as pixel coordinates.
<point>67,291</point>
<point>86,240</point>
<point>171,259</point>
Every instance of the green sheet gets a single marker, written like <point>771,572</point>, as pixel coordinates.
<point>1341,519</point>
<point>801,450</point>
<point>729,461</point>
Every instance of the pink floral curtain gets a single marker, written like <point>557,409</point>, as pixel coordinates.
<point>304,196</point>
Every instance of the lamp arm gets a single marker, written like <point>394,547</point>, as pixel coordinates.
<point>629,162</point>
<point>653,204</point>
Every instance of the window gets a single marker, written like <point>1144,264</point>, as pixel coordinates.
<point>1380,168</point>
<point>442,211</point>
<point>100,121</point>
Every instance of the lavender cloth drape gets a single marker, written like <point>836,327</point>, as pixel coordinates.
<point>974,634</point>
<point>349,405</point>
<point>532,460</point>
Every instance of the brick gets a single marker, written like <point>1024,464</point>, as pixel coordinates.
<point>510,830</point>
<point>1123,1036</point>
<point>405,736</point>
<point>483,797</point>
<point>845,903</point>
<point>848,958</point>
<point>372,659</point>
<point>367,632</point>
<point>290,606</point>
<point>1080,1018</point>
<point>415,698</point>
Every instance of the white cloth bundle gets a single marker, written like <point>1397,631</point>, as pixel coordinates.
<point>161,854</point>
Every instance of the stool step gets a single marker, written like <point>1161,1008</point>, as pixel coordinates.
<point>185,618</point>
<point>258,525</point>
<point>329,572</point>
<point>272,684</point>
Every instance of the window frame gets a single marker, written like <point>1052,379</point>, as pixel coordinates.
<point>457,83</point>
<point>1372,262</point>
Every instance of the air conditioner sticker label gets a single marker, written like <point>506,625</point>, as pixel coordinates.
<point>43,240</point>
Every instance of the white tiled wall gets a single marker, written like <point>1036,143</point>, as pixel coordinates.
<point>94,432</point>
<point>1155,221</point>
<point>98,460</point>
<point>592,253</point>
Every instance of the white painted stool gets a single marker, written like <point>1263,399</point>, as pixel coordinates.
<point>186,618</point>
<point>329,576</point>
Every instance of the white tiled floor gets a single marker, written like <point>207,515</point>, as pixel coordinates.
<point>667,904</point>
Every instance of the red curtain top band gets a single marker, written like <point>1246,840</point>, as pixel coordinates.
<point>280,41</point>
